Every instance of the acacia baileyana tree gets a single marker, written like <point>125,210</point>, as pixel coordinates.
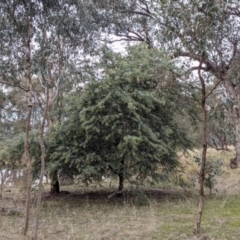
<point>123,124</point>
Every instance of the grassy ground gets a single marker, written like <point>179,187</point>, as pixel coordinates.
<point>157,214</point>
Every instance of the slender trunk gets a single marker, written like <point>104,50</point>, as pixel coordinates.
<point>204,156</point>
<point>48,79</point>
<point>234,93</point>
<point>54,182</point>
<point>54,174</point>
<point>201,191</point>
<point>121,182</point>
<point>2,182</point>
<point>121,179</point>
<point>237,129</point>
<point>27,134</point>
<point>29,171</point>
<point>43,154</point>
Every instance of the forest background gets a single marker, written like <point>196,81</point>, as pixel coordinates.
<point>72,106</point>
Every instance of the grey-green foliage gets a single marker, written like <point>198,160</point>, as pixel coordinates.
<point>13,115</point>
<point>213,169</point>
<point>12,152</point>
<point>52,37</point>
<point>123,122</point>
<point>221,132</point>
<point>44,41</point>
<point>129,20</point>
<point>193,29</point>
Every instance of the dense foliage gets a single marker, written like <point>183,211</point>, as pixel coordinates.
<point>123,123</point>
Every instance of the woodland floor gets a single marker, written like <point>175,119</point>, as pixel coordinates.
<point>165,212</point>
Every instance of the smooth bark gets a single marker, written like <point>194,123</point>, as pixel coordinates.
<point>28,129</point>
<point>204,154</point>
<point>43,155</point>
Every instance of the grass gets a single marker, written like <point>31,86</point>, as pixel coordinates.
<point>157,214</point>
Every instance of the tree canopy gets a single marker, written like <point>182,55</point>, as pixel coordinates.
<point>123,123</point>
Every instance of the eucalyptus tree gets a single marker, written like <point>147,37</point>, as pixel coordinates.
<point>60,33</point>
<point>16,57</point>
<point>44,41</point>
<point>221,121</point>
<point>208,32</point>
<point>205,32</point>
<point>66,32</point>
<point>127,20</point>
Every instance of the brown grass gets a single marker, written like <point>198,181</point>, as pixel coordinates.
<point>157,214</point>
<point>89,215</point>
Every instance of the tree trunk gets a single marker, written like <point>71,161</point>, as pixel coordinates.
<point>29,171</point>
<point>121,182</point>
<point>237,127</point>
<point>43,155</point>
<point>121,179</point>
<point>50,105</point>
<point>204,155</point>
<point>2,182</point>
<point>234,93</point>
<point>54,182</point>
<point>201,191</point>
<point>28,129</point>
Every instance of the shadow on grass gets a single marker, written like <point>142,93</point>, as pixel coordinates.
<point>138,197</point>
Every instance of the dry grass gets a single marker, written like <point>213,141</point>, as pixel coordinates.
<point>228,181</point>
<point>157,214</point>
<point>91,215</point>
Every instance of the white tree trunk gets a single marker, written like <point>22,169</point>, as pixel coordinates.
<point>237,132</point>
<point>234,94</point>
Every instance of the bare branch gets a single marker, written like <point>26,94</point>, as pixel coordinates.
<point>235,51</point>
<point>216,85</point>
<point>233,11</point>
